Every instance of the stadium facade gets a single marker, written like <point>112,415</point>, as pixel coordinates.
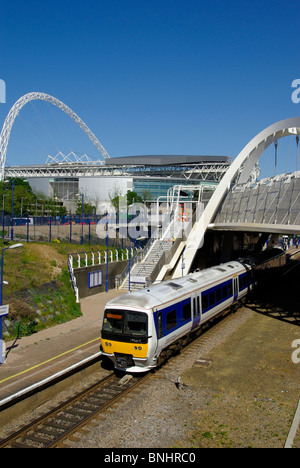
<point>153,175</point>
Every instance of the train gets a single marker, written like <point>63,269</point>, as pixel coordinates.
<point>142,329</point>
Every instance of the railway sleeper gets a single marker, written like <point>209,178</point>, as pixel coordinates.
<point>57,425</point>
<point>20,445</point>
<point>47,431</point>
<point>90,407</point>
<point>74,412</point>
<point>69,420</point>
<point>98,399</point>
<point>35,438</point>
<point>82,409</point>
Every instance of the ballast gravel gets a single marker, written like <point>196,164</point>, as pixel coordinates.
<point>238,387</point>
<point>244,394</point>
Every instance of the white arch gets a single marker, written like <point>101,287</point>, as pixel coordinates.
<point>247,157</point>
<point>14,111</point>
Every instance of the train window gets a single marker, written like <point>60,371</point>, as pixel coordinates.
<point>171,319</point>
<point>113,321</point>
<point>186,312</point>
<point>198,304</point>
<point>242,282</point>
<point>212,298</point>
<point>230,289</point>
<point>136,323</point>
<point>225,292</point>
<point>204,302</point>
<point>125,321</point>
<point>159,325</point>
<point>219,295</point>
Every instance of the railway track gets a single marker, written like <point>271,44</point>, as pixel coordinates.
<point>60,423</point>
<point>53,428</point>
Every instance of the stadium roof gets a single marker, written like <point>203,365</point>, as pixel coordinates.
<point>165,160</point>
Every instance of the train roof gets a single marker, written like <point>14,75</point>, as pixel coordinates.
<point>167,291</point>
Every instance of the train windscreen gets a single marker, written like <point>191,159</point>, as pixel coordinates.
<point>125,322</point>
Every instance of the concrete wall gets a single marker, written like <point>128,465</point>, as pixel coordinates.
<point>39,184</point>
<point>98,189</point>
<point>82,277</point>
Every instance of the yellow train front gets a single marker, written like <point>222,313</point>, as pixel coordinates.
<point>127,337</point>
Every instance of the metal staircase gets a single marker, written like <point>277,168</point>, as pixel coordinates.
<point>140,273</point>
<point>164,250</point>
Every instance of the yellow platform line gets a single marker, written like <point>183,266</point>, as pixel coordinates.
<point>49,360</point>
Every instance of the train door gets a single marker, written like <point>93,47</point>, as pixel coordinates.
<point>235,288</point>
<point>196,310</point>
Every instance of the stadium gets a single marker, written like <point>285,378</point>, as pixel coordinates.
<point>151,176</point>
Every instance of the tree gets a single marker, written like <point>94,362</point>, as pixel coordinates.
<point>88,208</point>
<point>146,195</point>
<point>27,202</point>
<point>133,197</point>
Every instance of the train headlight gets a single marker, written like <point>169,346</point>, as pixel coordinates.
<point>138,348</point>
<point>107,344</point>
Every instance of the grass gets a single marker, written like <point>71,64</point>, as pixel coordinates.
<point>39,291</point>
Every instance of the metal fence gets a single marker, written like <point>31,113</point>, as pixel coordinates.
<point>69,229</point>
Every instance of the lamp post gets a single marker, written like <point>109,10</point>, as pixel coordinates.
<point>297,161</point>
<point>129,265</point>
<point>12,210</point>
<point>1,296</point>
<point>107,250</point>
<point>3,217</point>
<point>22,198</point>
<point>82,205</point>
<point>14,246</point>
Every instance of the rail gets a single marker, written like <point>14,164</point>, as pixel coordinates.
<point>51,429</point>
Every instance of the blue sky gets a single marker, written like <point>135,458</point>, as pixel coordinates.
<point>150,77</point>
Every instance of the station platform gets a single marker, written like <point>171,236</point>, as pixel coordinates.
<point>31,361</point>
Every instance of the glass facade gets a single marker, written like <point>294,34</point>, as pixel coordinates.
<point>64,188</point>
<point>160,187</point>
